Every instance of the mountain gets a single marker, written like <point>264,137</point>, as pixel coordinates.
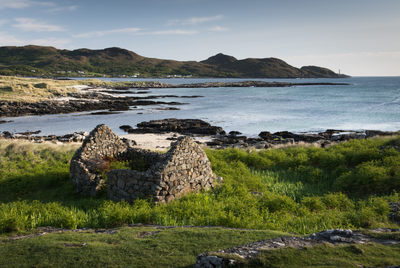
<point>49,61</point>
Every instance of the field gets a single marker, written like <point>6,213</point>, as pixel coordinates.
<point>41,89</point>
<point>297,190</point>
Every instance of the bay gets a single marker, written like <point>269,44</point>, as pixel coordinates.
<point>366,103</point>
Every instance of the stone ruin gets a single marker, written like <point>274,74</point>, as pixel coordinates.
<point>184,168</point>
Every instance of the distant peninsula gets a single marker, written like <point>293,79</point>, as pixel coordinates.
<point>44,61</point>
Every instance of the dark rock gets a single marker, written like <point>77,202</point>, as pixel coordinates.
<point>265,135</point>
<point>104,113</point>
<point>185,126</point>
<point>7,135</point>
<point>234,133</point>
<point>28,133</point>
<point>125,128</point>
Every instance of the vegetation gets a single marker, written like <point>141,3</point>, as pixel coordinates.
<point>367,255</point>
<point>129,247</point>
<point>39,89</point>
<point>294,189</point>
<point>49,61</point>
<point>298,189</point>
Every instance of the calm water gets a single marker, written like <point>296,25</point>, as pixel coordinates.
<point>368,103</point>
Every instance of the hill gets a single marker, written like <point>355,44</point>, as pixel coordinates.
<point>49,61</point>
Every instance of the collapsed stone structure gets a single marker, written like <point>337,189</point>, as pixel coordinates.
<point>184,168</point>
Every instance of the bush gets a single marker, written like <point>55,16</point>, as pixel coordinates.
<point>313,203</point>
<point>337,201</point>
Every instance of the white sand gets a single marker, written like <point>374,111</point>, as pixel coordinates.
<point>158,141</point>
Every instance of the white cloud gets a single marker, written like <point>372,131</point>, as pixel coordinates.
<point>218,29</point>
<point>28,24</point>
<point>22,3</point>
<point>62,8</point>
<point>55,42</point>
<point>2,22</point>
<point>194,20</point>
<point>10,40</point>
<point>105,32</point>
<point>172,32</point>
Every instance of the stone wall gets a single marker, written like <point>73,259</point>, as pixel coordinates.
<point>184,168</point>
<point>101,145</point>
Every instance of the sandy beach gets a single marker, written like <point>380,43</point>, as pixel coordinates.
<point>157,142</point>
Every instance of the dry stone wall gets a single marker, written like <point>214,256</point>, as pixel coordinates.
<point>97,149</point>
<point>184,168</point>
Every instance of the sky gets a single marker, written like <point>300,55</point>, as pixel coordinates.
<point>357,37</point>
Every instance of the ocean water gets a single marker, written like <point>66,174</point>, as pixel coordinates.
<point>367,103</point>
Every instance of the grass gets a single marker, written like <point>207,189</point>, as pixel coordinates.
<point>299,190</point>
<point>14,88</point>
<point>367,255</point>
<point>289,190</point>
<point>128,247</point>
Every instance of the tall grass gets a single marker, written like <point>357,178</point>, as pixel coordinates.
<point>298,189</point>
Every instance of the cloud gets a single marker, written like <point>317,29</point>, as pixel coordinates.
<point>9,40</point>
<point>62,8</point>
<point>194,20</point>
<point>2,22</point>
<point>218,29</point>
<point>172,32</point>
<point>106,32</point>
<point>22,3</point>
<point>28,24</point>
<point>55,42</point>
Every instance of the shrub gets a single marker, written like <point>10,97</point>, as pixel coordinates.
<point>337,201</point>
<point>313,203</point>
<point>276,203</point>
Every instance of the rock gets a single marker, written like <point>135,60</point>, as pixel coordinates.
<point>7,135</point>
<point>225,257</point>
<point>28,133</point>
<point>265,135</point>
<point>126,128</point>
<point>234,133</point>
<point>184,126</point>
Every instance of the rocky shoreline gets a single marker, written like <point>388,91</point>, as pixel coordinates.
<point>109,98</point>
<point>224,84</point>
<point>212,136</point>
<point>265,139</point>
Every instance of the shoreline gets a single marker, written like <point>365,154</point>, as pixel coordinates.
<point>107,98</point>
<point>162,141</point>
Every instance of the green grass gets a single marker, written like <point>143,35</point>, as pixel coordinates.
<point>299,189</point>
<point>368,255</point>
<point>176,247</point>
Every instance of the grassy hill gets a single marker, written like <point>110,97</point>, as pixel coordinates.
<point>49,61</point>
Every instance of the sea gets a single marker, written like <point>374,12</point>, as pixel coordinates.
<point>366,103</point>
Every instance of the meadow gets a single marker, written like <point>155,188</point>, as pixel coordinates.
<point>299,190</point>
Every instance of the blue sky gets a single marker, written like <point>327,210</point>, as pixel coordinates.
<point>359,37</point>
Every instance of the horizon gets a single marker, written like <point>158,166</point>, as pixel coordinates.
<point>356,39</point>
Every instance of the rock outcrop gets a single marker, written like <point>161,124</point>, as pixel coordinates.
<point>183,126</point>
<point>229,257</point>
<point>161,177</point>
